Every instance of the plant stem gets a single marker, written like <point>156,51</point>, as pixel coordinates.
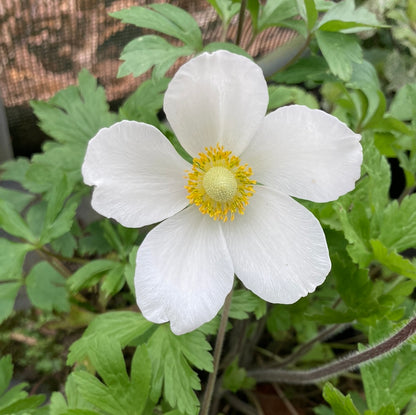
<point>303,377</point>
<point>63,258</point>
<point>206,403</point>
<point>241,21</point>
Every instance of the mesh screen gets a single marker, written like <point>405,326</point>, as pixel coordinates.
<point>45,43</point>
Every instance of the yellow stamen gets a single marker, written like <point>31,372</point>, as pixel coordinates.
<point>218,184</point>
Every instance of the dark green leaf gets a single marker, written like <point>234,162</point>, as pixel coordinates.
<point>6,373</point>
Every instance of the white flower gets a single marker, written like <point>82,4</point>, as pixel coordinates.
<point>231,211</point>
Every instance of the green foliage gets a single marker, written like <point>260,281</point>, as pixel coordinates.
<point>46,288</point>
<point>147,51</point>
<point>15,400</point>
<point>341,405</point>
<point>125,364</point>
<point>235,378</point>
<point>392,379</point>
<point>117,393</point>
<point>171,359</point>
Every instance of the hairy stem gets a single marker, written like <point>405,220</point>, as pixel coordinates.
<point>206,403</point>
<point>338,366</point>
<point>55,263</point>
<point>304,348</point>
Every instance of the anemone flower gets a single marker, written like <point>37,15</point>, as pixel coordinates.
<point>230,212</point>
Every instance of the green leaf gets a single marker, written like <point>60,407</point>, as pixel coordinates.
<point>118,394</point>
<point>6,373</point>
<point>340,404</point>
<point>398,224</point>
<point>166,19</point>
<point>171,357</point>
<point>145,52</point>
<point>90,274</point>
<point>226,9</point>
<point>114,280</point>
<point>344,17</point>
<point>393,260</point>
<point>19,200</point>
<point>122,326</point>
<point>311,68</point>
<point>284,95</point>
<point>94,242</point>
<point>46,288</point>
<point>274,12</point>
<point>15,170</point>
<point>212,47</point>
<point>390,380</point>
<point>12,255</point>
<point>340,51</point>
<point>144,104</point>
<point>8,293</point>
<point>13,223</point>
<point>308,12</point>
<point>65,244</point>
<point>23,406</point>
<point>245,302</point>
<point>403,105</point>
<point>235,378</point>
<point>75,114</point>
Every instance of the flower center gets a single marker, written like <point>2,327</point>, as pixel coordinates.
<point>218,184</point>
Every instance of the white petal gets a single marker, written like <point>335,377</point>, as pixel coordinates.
<point>305,153</point>
<point>278,248</point>
<point>215,98</point>
<point>139,177</point>
<point>183,271</point>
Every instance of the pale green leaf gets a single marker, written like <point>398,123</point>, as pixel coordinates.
<point>75,114</point>
<point>12,255</point>
<point>398,224</point>
<point>340,404</point>
<point>150,51</point>
<point>226,9</point>
<point>8,293</point>
<point>46,288</point>
<point>90,274</point>
<point>171,358</point>
<point>167,19</point>
<point>19,200</point>
<point>122,326</point>
<point>393,260</point>
<point>346,18</point>
<point>340,51</point>
<point>13,223</point>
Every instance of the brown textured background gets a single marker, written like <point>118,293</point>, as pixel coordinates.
<point>45,43</point>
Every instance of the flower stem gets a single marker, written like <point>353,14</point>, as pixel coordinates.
<point>206,403</point>
<point>241,17</point>
<point>303,377</point>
